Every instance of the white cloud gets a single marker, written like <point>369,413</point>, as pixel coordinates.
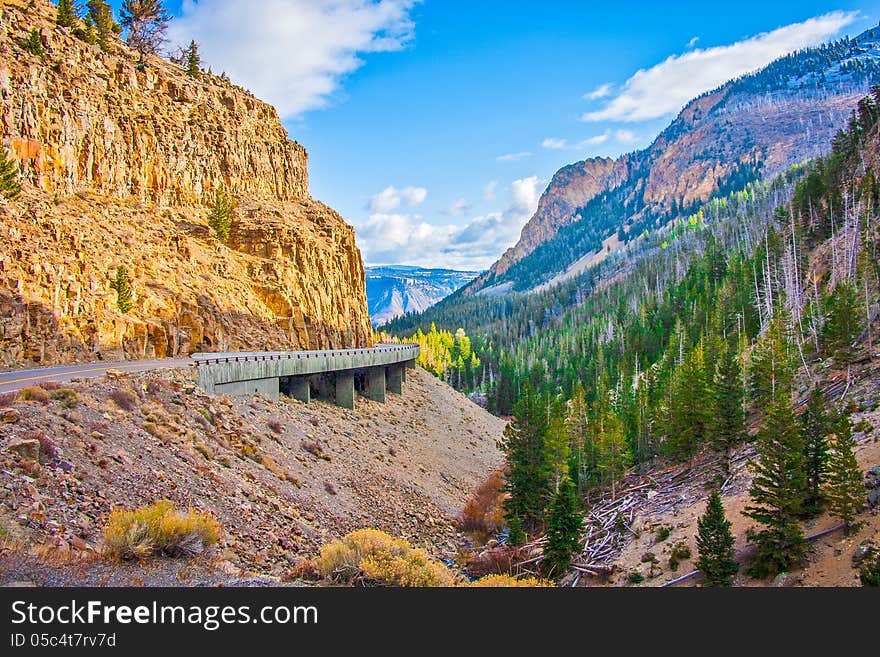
<point>292,53</point>
<point>513,157</point>
<point>400,238</point>
<point>626,136</point>
<point>552,143</point>
<point>693,42</point>
<point>458,208</point>
<point>489,190</point>
<point>392,198</point>
<point>602,91</point>
<point>668,86</point>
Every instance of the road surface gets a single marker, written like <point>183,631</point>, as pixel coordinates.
<point>18,379</point>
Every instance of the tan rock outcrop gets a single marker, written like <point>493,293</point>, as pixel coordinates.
<point>120,162</point>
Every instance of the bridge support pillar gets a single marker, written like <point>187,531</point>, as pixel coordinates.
<point>345,390</point>
<point>394,375</point>
<point>376,384</point>
<point>411,364</point>
<point>300,389</point>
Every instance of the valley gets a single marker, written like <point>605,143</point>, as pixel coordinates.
<point>668,378</point>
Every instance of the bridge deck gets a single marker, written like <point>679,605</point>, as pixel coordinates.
<point>262,372</point>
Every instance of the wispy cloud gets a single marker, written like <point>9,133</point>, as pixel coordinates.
<point>625,136</point>
<point>665,88</point>
<point>458,208</point>
<point>693,42</point>
<point>392,198</point>
<point>489,190</point>
<point>401,237</point>
<point>602,91</point>
<point>553,143</point>
<point>513,157</point>
<point>292,53</point>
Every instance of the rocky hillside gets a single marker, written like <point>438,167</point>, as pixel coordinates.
<point>282,477</point>
<point>750,128</point>
<point>120,163</point>
<point>395,291</point>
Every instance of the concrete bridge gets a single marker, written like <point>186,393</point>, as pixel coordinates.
<point>335,374</point>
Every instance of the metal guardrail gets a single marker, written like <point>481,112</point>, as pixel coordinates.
<point>235,357</point>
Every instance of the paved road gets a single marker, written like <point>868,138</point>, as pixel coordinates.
<point>18,379</point>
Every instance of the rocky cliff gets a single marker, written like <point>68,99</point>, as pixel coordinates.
<point>120,162</point>
<point>755,126</point>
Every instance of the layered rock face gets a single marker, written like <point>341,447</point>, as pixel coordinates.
<point>120,163</point>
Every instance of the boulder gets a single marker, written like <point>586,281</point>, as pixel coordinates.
<point>26,448</point>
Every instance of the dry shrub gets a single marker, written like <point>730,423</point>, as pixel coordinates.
<point>50,385</point>
<point>160,529</point>
<point>34,394</point>
<point>275,426</point>
<point>124,399</point>
<point>506,581</point>
<point>67,397</point>
<point>500,560</point>
<point>369,556</point>
<point>7,399</point>
<point>330,488</point>
<point>314,448</point>
<point>483,513</point>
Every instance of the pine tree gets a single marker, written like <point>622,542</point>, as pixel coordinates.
<point>844,487</point>
<point>815,428</point>
<point>66,15</point>
<point>563,531</point>
<point>773,360</point>
<point>715,544</point>
<point>147,22</point>
<point>843,325</point>
<point>87,33</point>
<point>690,407</point>
<point>558,445</point>
<point>613,453</point>
<point>105,26</point>
<point>777,491</point>
<point>10,186</point>
<point>730,419</point>
<point>122,285</point>
<point>34,44</point>
<point>220,218</point>
<point>528,476</point>
<point>193,60</point>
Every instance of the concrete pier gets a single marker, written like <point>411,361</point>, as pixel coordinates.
<point>300,389</point>
<point>345,390</point>
<point>394,378</point>
<point>375,379</point>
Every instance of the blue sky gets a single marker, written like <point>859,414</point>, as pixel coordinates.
<point>434,126</point>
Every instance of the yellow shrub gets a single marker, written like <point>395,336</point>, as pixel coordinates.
<point>160,528</point>
<point>374,556</point>
<point>34,394</point>
<point>499,581</point>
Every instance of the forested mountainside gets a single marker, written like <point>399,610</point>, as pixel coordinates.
<point>161,211</point>
<point>720,328</point>
<point>749,129</point>
<point>397,290</point>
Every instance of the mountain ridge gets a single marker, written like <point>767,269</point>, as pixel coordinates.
<point>753,126</point>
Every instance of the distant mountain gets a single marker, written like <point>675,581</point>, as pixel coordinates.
<point>750,128</point>
<point>396,290</point>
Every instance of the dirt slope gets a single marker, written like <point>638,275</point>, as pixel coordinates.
<point>282,477</point>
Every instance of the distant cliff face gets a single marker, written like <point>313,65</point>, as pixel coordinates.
<point>119,164</point>
<point>758,125</point>
<point>395,291</point>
